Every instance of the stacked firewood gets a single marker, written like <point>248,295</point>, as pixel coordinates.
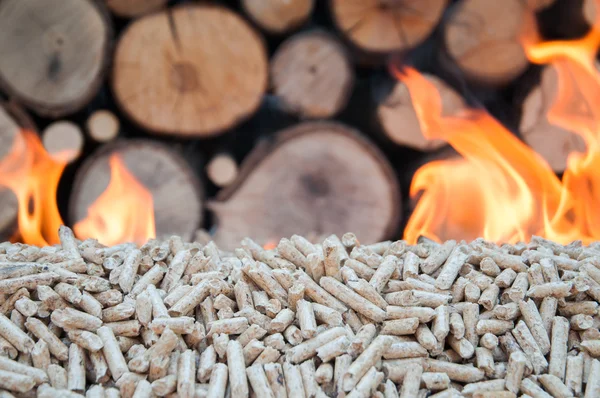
<point>148,78</point>
<point>301,320</point>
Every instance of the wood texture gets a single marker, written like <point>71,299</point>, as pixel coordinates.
<point>176,192</point>
<point>222,169</point>
<point>103,126</point>
<point>312,75</point>
<point>384,26</point>
<point>482,37</point>
<point>134,8</point>
<point>552,142</point>
<point>54,52</point>
<point>399,121</point>
<point>194,71</point>
<point>278,16</point>
<point>315,178</point>
<point>63,140</point>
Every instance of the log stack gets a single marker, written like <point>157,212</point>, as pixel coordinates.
<point>224,110</point>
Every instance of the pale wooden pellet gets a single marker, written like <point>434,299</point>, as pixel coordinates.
<point>574,373</point>
<point>218,381</point>
<point>293,380</point>
<point>558,353</point>
<point>367,384</point>
<point>365,360</point>
<point>534,322</point>
<point>525,339</point>
<point>76,368</point>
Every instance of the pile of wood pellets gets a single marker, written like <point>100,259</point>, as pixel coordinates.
<point>335,319</point>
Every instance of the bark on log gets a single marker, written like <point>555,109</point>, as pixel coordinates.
<point>552,142</point>
<point>383,26</point>
<point>63,140</point>
<point>54,52</point>
<point>399,121</point>
<point>222,170</point>
<point>134,8</point>
<point>315,178</point>
<point>103,126</point>
<point>277,16</point>
<point>175,189</point>
<point>312,75</point>
<point>12,120</point>
<point>195,70</point>
<point>482,37</point>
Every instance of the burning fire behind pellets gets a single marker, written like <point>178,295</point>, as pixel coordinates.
<point>500,189</point>
<point>123,213</point>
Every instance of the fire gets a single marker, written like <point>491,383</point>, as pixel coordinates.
<point>499,188</point>
<point>123,213</point>
<point>33,175</point>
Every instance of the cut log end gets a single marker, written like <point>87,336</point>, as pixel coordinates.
<point>103,126</point>
<point>222,170</point>
<point>53,52</point>
<point>482,37</point>
<point>212,83</point>
<point>399,120</point>
<point>134,8</point>
<point>63,140</point>
<point>383,26</point>
<point>176,192</point>
<point>552,142</point>
<point>316,178</point>
<point>311,75</point>
<point>276,16</point>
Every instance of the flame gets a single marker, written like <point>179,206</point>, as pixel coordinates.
<point>124,212</point>
<point>499,188</point>
<point>33,175</point>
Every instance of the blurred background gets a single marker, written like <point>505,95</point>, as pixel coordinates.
<point>129,119</point>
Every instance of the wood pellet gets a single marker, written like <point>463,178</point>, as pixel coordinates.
<point>305,319</point>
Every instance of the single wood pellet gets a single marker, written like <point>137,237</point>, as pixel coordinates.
<point>301,320</point>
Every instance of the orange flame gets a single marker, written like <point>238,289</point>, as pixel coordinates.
<point>500,189</point>
<point>33,175</point>
<point>123,213</point>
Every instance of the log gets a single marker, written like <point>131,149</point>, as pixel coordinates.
<point>134,8</point>
<point>54,53</point>
<point>63,140</point>
<point>552,142</point>
<point>196,70</point>
<point>398,119</point>
<point>222,169</point>
<point>176,191</point>
<point>538,5</point>
<point>12,120</point>
<point>311,75</point>
<point>103,126</point>
<point>277,16</point>
<point>383,26</point>
<point>482,38</point>
<point>315,178</point>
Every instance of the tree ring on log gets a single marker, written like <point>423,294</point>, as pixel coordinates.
<point>314,178</point>
<point>312,75</point>
<point>383,26</point>
<point>482,37</point>
<point>176,192</point>
<point>54,53</point>
<point>208,70</point>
